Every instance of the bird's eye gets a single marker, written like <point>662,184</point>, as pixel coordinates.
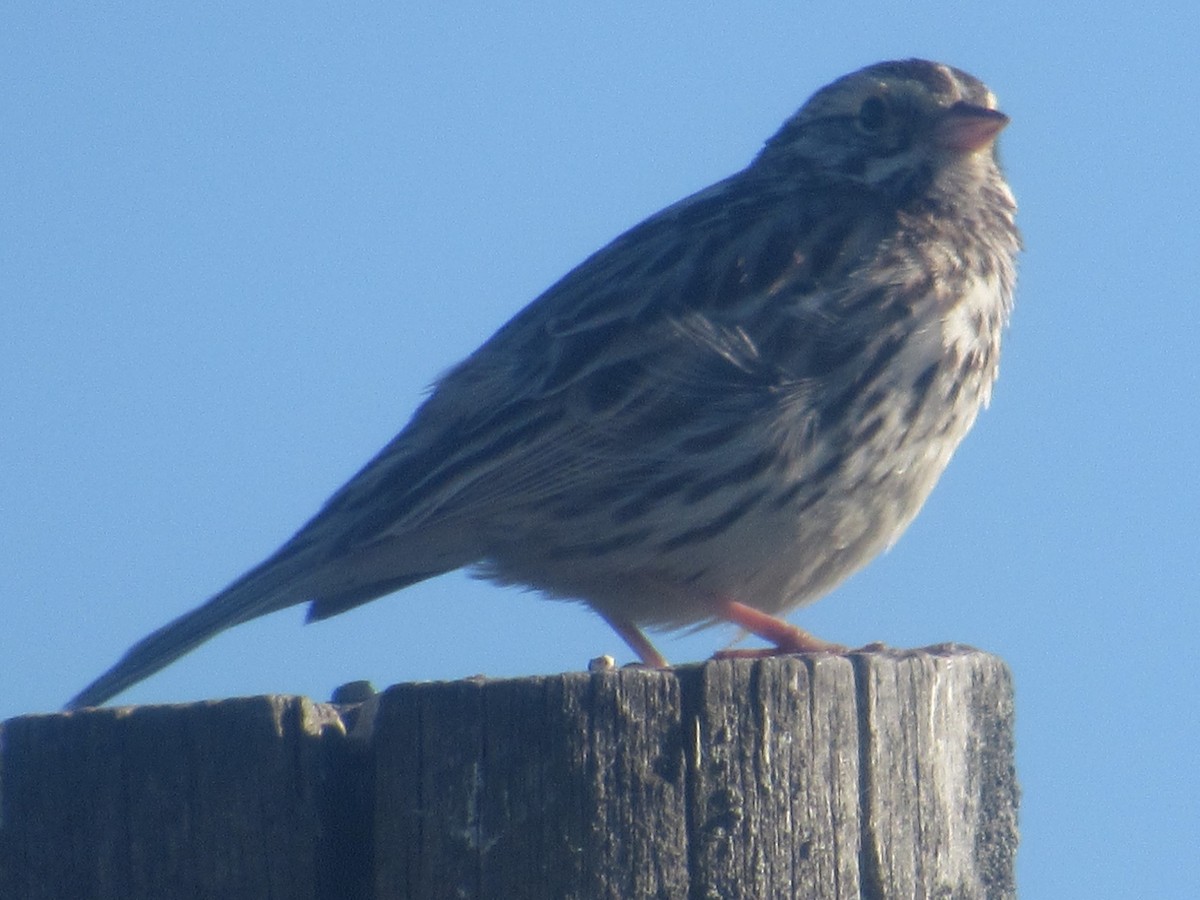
<point>872,115</point>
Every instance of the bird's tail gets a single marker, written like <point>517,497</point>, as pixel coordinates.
<point>257,593</point>
<point>299,572</point>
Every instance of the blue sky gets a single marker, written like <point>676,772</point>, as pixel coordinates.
<point>236,244</point>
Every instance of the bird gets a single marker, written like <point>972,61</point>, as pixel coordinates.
<point>715,418</point>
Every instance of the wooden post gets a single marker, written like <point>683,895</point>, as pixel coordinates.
<point>879,775</point>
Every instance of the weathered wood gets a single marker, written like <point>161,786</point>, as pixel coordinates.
<point>774,782</point>
<point>939,786</point>
<point>563,786</point>
<point>220,800</point>
<point>876,775</point>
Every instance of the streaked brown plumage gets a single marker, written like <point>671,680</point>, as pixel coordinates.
<point>718,416</point>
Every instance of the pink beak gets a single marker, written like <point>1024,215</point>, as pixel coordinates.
<point>968,128</point>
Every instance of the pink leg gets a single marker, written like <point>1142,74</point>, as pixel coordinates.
<point>637,641</point>
<point>786,637</point>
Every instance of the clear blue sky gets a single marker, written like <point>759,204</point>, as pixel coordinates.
<point>237,242</point>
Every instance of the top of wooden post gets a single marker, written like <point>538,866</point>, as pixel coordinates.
<point>870,774</point>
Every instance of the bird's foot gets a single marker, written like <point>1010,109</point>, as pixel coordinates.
<point>785,637</point>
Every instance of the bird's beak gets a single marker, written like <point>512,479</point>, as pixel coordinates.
<point>967,128</point>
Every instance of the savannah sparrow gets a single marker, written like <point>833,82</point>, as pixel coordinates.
<point>718,416</point>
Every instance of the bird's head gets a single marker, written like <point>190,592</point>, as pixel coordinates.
<point>891,125</point>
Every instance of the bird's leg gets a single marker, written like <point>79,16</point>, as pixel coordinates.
<point>638,642</point>
<point>786,637</point>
